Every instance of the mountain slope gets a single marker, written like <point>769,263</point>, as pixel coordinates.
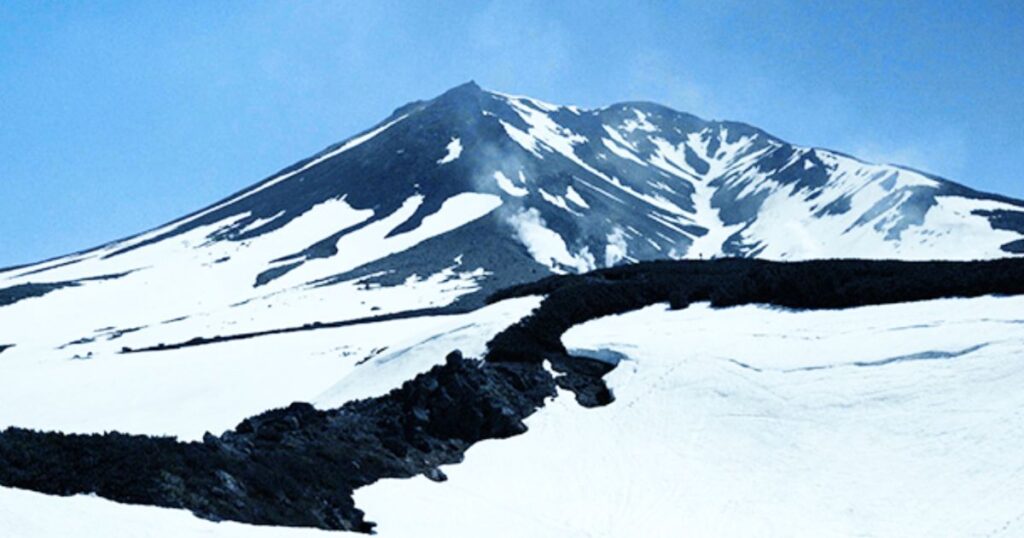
<point>474,190</point>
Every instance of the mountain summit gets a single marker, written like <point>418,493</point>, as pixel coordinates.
<point>474,190</point>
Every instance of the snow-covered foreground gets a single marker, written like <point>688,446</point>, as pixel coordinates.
<point>187,392</point>
<point>900,420</point>
<point>26,514</point>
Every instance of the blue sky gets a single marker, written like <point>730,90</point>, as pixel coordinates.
<point>118,116</point>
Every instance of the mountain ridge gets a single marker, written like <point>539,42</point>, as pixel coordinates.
<point>449,199</point>
<point>472,88</point>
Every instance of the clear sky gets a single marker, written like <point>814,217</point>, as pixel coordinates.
<point>119,116</point>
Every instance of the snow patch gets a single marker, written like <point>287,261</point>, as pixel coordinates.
<point>519,137</point>
<point>259,223</point>
<point>574,197</point>
<point>641,123</point>
<point>506,184</point>
<point>454,149</point>
<point>556,201</point>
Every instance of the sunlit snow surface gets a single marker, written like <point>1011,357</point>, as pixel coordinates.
<point>454,149</point>
<point>900,420</point>
<point>189,286</point>
<point>26,514</point>
<point>187,392</point>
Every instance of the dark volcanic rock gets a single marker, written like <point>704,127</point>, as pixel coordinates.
<point>1014,247</point>
<point>20,292</point>
<point>574,299</point>
<point>296,466</point>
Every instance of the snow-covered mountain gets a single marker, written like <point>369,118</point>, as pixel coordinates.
<point>474,190</point>
<point>353,271</point>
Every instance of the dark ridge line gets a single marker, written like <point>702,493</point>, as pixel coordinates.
<point>913,357</point>
<point>746,366</point>
<point>449,310</point>
<point>44,269</point>
<point>108,335</point>
<point>19,292</point>
<point>819,284</point>
<point>923,356</point>
<point>299,466</point>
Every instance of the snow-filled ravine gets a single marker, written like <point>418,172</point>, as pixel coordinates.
<point>900,420</point>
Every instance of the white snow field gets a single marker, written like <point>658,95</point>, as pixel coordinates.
<point>901,420</point>
<point>176,289</point>
<point>189,391</point>
<point>26,514</point>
